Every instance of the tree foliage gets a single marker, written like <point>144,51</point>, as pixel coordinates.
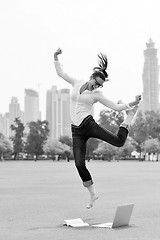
<point>151,146</point>
<point>66,140</point>
<point>139,131</point>
<point>146,126</point>
<point>5,146</point>
<point>127,148</point>
<point>106,151</point>
<point>92,144</point>
<point>17,138</point>
<point>38,134</point>
<point>55,147</point>
<point>144,135</point>
<point>111,120</point>
<point>152,121</point>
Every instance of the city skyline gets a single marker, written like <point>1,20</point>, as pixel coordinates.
<point>32,30</point>
<point>31,112</point>
<point>150,45</point>
<point>58,101</point>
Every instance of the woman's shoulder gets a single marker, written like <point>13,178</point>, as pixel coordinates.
<point>79,82</point>
<point>97,92</point>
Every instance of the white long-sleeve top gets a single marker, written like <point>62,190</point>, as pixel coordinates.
<point>81,104</point>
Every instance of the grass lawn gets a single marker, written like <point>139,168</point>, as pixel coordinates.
<point>35,198</point>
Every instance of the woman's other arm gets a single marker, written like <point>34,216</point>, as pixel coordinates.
<point>59,69</point>
<point>116,106</point>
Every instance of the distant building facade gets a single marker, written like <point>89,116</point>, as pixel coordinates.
<point>58,112</point>
<point>150,78</point>
<point>14,112</point>
<point>8,118</point>
<point>5,130</point>
<point>31,106</point>
<point>1,124</point>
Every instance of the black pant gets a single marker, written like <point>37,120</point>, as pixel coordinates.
<point>89,128</point>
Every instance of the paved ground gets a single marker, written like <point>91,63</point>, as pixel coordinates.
<point>35,198</point>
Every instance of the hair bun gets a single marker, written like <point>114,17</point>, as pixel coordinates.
<point>103,63</point>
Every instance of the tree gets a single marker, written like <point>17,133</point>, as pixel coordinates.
<point>17,139</point>
<point>127,148</point>
<point>55,147</point>
<point>145,127</point>
<point>151,145</point>
<point>111,120</point>
<point>37,137</point>
<point>67,151</point>
<point>92,144</point>
<point>139,131</point>
<point>153,124</point>
<point>106,150</point>
<point>66,140</point>
<point>5,146</point>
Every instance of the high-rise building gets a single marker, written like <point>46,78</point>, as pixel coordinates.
<point>64,124</point>
<point>8,118</point>
<point>31,106</point>
<point>6,126</point>
<point>1,124</point>
<point>58,112</point>
<point>14,111</point>
<point>150,78</point>
<point>51,110</point>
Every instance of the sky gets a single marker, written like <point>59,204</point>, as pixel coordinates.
<point>31,30</point>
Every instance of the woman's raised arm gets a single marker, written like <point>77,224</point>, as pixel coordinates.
<point>59,69</point>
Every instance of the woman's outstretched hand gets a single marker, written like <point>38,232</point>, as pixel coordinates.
<point>59,51</point>
<point>138,98</point>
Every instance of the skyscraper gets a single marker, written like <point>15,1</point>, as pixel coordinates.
<point>51,108</point>
<point>150,78</point>
<point>14,111</point>
<point>1,124</point>
<point>31,106</point>
<point>64,123</point>
<point>6,126</point>
<point>58,112</point>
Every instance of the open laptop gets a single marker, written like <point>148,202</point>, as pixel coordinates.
<point>122,217</point>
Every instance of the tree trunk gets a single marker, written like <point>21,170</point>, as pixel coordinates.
<point>15,156</point>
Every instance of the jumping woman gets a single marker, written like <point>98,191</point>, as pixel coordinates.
<point>84,95</point>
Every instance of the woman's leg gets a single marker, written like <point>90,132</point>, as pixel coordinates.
<point>93,196</point>
<point>118,140</point>
<point>80,137</point>
<point>79,150</point>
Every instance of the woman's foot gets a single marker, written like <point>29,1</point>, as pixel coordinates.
<point>92,200</point>
<point>133,110</point>
<point>131,115</point>
<point>121,102</point>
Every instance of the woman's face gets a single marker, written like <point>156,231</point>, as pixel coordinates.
<point>94,83</point>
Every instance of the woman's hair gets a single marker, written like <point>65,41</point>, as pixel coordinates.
<point>101,70</point>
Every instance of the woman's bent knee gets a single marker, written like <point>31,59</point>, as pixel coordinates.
<point>121,144</point>
<point>87,183</point>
